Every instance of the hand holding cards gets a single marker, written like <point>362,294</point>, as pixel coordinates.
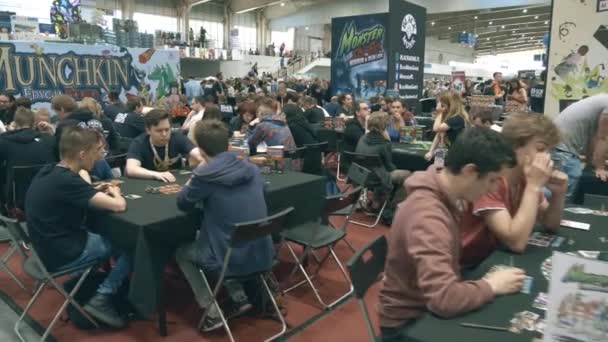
<point>505,279</point>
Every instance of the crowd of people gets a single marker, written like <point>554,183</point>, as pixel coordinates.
<point>491,190</point>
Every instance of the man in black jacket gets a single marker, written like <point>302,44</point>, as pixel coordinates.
<point>114,106</point>
<point>377,142</point>
<point>355,127</point>
<point>24,146</point>
<point>314,114</point>
<point>131,124</point>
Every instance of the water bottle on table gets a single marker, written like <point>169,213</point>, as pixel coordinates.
<point>441,152</point>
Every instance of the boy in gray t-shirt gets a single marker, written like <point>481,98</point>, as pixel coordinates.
<point>582,124</point>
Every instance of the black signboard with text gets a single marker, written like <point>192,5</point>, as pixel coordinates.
<point>406,51</point>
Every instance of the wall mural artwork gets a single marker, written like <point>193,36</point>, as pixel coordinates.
<point>578,60</point>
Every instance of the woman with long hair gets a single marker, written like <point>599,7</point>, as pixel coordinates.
<point>346,105</point>
<point>451,120</point>
<point>517,92</point>
<point>247,113</point>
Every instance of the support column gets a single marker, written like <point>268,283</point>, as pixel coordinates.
<point>127,8</point>
<point>227,25</point>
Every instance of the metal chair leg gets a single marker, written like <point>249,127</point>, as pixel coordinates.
<point>378,217</point>
<point>277,309</point>
<point>4,265</point>
<point>308,279</point>
<point>41,286</point>
<point>70,297</point>
<point>217,305</point>
<point>338,170</point>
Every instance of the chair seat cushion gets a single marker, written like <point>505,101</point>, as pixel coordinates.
<point>342,212</point>
<point>314,235</point>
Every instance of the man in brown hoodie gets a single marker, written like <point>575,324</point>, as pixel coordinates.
<point>422,271</point>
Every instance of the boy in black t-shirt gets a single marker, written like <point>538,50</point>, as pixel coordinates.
<point>131,124</point>
<point>56,206</point>
<point>152,155</point>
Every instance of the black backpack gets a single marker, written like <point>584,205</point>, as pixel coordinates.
<point>88,290</point>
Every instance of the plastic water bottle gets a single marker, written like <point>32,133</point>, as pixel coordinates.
<point>440,153</point>
<point>246,146</point>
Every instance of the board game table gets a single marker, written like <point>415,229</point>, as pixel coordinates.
<point>153,227</point>
<point>503,308</point>
<point>410,157</point>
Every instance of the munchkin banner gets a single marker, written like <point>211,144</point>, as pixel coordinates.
<point>359,55</point>
<point>40,71</point>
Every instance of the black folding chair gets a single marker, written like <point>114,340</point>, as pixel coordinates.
<point>294,159</point>
<point>123,144</point>
<point>20,178</point>
<point>313,158</point>
<point>245,232</point>
<point>364,268</point>
<point>14,246</point>
<point>333,146</point>
<point>370,181</point>
<point>35,268</point>
<point>118,162</point>
<point>313,236</point>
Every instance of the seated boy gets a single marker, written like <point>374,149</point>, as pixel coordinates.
<point>217,185</point>
<point>482,117</point>
<point>421,272</point>
<point>56,206</point>
<point>507,215</point>
<point>152,155</point>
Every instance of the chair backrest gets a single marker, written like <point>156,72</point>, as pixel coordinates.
<point>313,158</point>
<point>248,231</point>
<point>123,144</point>
<point>341,201</point>
<point>21,177</point>
<point>366,160</point>
<point>364,269</point>
<point>118,161</point>
<point>331,137</point>
<point>298,153</point>
<point>358,175</point>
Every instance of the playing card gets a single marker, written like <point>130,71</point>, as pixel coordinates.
<point>527,286</point>
<point>557,241</point>
<point>589,254</point>
<point>498,268</point>
<point>185,172</point>
<point>575,225</point>
<point>579,210</point>
<point>132,196</point>
<point>541,301</point>
<point>600,212</point>
<point>540,326</point>
<point>540,239</point>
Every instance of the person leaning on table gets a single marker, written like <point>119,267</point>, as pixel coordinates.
<point>422,271</point>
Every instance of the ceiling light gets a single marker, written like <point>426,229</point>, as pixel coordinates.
<point>523,35</point>
<point>503,26</point>
<point>307,28</point>
<point>282,4</point>
<point>475,17</point>
<point>234,26</point>
<point>546,22</point>
<point>449,27</point>
<point>490,23</point>
<point>513,31</point>
<point>535,17</point>
<point>487,38</point>
<point>432,23</point>
<point>464,32</point>
<point>525,10</point>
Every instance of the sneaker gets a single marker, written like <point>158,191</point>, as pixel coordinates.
<point>231,310</point>
<point>101,308</point>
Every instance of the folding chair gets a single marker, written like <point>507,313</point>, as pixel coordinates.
<point>314,235</point>
<point>118,161</point>
<point>20,178</point>
<point>123,144</point>
<point>14,246</point>
<point>34,267</point>
<point>364,272</point>
<point>333,145</point>
<point>294,159</point>
<point>363,175</point>
<point>244,232</point>
<point>313,158</point>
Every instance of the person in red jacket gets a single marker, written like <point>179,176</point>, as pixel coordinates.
<point>422,271</point>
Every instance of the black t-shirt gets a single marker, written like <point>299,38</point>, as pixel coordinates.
<point>179,147</point>
<point>113,109</point>
<point>457,125</point>
<point>129,125</point>
<point>227,112</point>
<point>537,98</point>
<point>56,207</point>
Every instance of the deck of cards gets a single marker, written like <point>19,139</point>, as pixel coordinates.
<point>540,302</point>
<point>527,286</point>
<point>575,225</point>
<point>524,320</point>
<point>541,239</point>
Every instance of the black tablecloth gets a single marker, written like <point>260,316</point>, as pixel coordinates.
<point>589,184</point>
<point>409,157</point>
<point>153,227</point>
<point>503,308</point>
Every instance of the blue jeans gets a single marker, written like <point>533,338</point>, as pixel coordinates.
<point>572,166</point>
<point>99,248</point>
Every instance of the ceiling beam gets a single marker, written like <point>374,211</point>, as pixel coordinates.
<point>510,47</point>
<point>243,6</point>
<point>485,53</point>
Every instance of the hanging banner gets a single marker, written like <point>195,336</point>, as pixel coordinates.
<point>458,78</point>
<point>407,41</point>
<point>40,71</point>
<point>359,55</point>
<point>578,53</point>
